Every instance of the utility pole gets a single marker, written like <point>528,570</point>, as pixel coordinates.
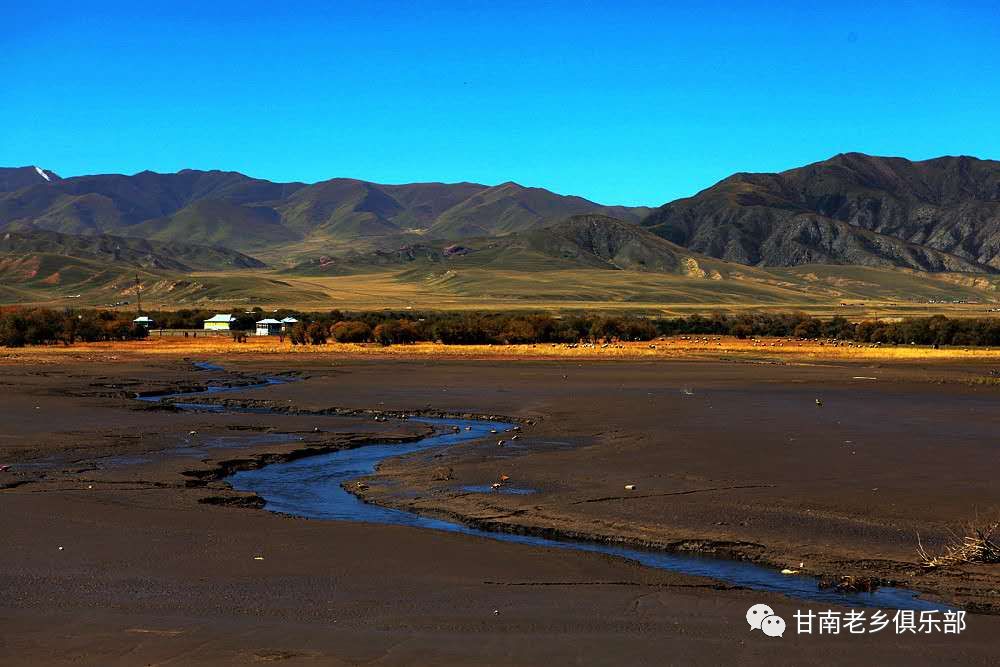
<point>138,293</point>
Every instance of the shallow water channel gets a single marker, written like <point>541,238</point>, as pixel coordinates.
<point>312,487</point>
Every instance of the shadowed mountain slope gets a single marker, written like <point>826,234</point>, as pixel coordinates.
<point>935,215</point>
<point>577,242</point>
<point>122,252</point>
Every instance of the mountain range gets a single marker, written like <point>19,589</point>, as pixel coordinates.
<point>243,213</point>
<point>939,216</point>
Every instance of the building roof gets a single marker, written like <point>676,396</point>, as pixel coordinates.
<point>143,318</point>
<point>268,321</point>
<point>288,320</point>
<point>221,318</point>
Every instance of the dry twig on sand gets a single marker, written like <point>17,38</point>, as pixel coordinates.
<point>978,545</point>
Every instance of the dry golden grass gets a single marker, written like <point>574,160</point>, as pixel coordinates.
<point>977,545</point>
<point>854,292</point>
<point>701,347</point>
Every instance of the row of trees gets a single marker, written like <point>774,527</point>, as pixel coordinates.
<point>41,326</point>
<point>33,326</point>
<point>503,328</point>
<point>468,328</point>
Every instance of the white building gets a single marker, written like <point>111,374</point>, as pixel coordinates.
<point>288,322</point>
<point>143,321</point>
<point>221,322</point>
<point>269,327</point>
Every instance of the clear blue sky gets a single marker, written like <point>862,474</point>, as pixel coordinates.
<point>621,102</point>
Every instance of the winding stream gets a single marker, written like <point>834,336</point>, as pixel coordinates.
<point>311,487</point>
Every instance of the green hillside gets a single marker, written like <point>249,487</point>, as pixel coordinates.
<point>219,223</point>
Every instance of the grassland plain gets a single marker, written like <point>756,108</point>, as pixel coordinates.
<point>854,292</point>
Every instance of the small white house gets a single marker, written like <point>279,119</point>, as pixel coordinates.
<point>288,322</point>
<point>221,322</point>
<point>269,327</point>
<point>143,321</point>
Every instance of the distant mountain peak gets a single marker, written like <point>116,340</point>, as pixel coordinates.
<point>15,178</point>
<point>514,186</point>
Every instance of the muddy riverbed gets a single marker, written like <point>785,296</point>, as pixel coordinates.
<point>734,459</point>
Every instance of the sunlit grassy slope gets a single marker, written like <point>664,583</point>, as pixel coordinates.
<point>852,291</point>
